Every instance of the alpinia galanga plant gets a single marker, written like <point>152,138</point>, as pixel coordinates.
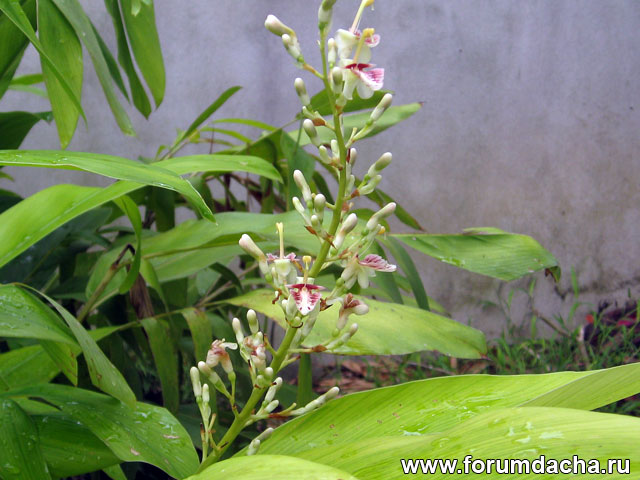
<point>65,286</point>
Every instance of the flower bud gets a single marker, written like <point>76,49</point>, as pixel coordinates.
<point>237,328</point>
<point>353,156</point>
<point>311,131</point>
<point>205,393</point>
<point>382,163</point>
<point>332,53</point>
<point>195,381</point>
<point>301,90</point>
<point>273,389</point>
<point>385,211</point>
<point>253,448</point>
<point>293,48</point>
<point>271,406</point>
<point>349,224</point>
<point>324,14</point>
<point>324,156</point>
<point>336,79</point>
<point>268,373</point>
<point>249,246</point>
<point>302,184</point>
<point>275,26</point>
<point>319,204</point>
<point>382,106</point>
<point>252,318</point>
<point>370,186</point>
<point>301,210</point>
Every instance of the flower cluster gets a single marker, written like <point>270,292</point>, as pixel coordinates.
<point>345,240</point>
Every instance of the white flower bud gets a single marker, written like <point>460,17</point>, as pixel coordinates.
<point>195,381</point>
<point>301,90</point>
<point>332,393</point>
<point>353,156</point>
<point>249,246</point>
<point>382,106</point>
<point>324,14</point>
<point>271,406</point>
<point>349,224</point>
<point>382,213</point>
<point>293,48</point>
<point>311,131</point>
<point>370,186</point>
<point>333,52</point>
<point>268,373</point>
<point>301,182</point>
<point>205,393</point>
<point>265,435</point>
<point>275,26</point>
<point>253,448</point>
<point>324,156</point>
<point>382,163</point>
<point>252,318</point>
<point>319,204</point>
<point>237,328</point>
<point>335,149</point>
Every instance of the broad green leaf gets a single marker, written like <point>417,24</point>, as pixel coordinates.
<point>260,467</point>
<point>14,126</point>
<point>74,13</point>
<point>435,405</point>
<point>24,316</point>
<point>220,163</point>
<point>114,71</point>
<point>69,448</point>
<point>392,116</point>
<point>145,44</point>
<point>115,472</point>
<point>201,331</point>
<point>381,198</point>
<point>63,47</point>
<point>388,329</point>
<point>297,159</point>
<point>24,224</point>
<point>13,10</point>
<point>64,357</point>
<point>505,256</point>
<point>145,433</point>
<point>166,360</point>
<point>104,374</point>
<point>20,456</point>
<point>30,365</point>
<point>13,44</point>
<point>109,166</point>
<point>518,433</point>
<point>138,94</point>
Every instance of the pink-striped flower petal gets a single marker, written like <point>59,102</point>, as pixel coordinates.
<point>376,262</point>
<point>306,296</point>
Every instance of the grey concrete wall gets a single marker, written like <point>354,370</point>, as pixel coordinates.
<point>530,121</point>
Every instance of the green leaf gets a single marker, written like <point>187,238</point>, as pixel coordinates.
<point>210,110</point>
<point>115,472</point>
<point>138,94</point>
<point>145,44</point>
<point>519,433</point>
<point>130,209</point>
<point>13,11</point>
<point>24,316</point>
<point>320,102</point>
<point>20,456</point>
<point>104,374</point>
<point>63,47</point>
<point>109,166</point>
<point>392,116</point>
<point>13,44</point>
<point>145,433</point>
<point>166,360</point>
<point>30,365</point>
<point>381,198</point>
<point>257,468</point>
<point>201,331</point>
<point>24,224</point>
<point>505,256</point>
<point>220,163</point>
<point>411,272</point>
<point>64,357</point>
<point>70,448</point>
<point>14,126</point>
<point>74,13</point>
<point>297,159</point>
<point>388,329</point>
<point>435,405</point>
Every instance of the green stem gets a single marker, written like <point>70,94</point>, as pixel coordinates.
<point>342,185</point>
<point>239,422</point>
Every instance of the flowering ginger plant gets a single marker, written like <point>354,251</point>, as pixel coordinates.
<point>344,240</point>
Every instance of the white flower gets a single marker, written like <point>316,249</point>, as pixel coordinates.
<point>346,41</point>
<point>218,354</point>
<point>364,78</point>
<point>350,305</point>
<point>360,270</point>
